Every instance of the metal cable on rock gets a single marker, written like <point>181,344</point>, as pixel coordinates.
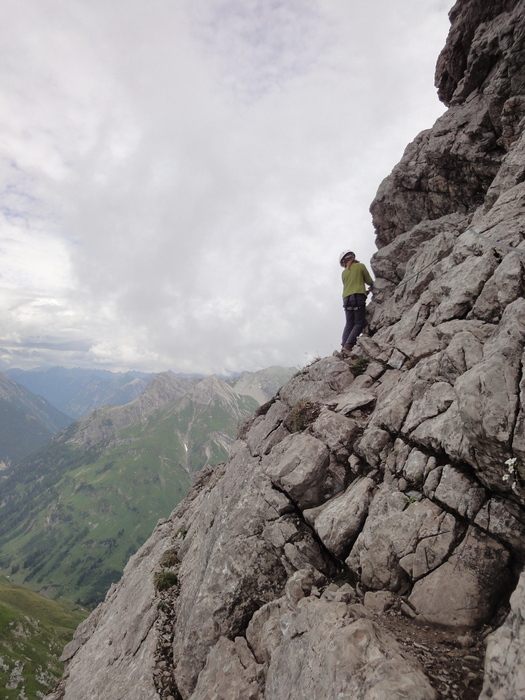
<point>494,243</point>
<point>478,235</point>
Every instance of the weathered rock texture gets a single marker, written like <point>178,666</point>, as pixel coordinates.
<point>359,504</point>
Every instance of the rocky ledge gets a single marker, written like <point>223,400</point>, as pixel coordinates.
<point>367,537</point>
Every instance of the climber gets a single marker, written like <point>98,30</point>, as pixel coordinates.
<point>355,276</point>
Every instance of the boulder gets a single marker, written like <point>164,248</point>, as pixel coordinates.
<point>459,492</point>
<point>325,653</point>
<point>463,592</point>
<point>268,430</point>
<point>230,672</point>
<point>340,521</point>
<point>318,382</point>
<point>401,541</point>
<point>299,466</point>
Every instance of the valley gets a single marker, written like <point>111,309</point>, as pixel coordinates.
<point>75,510</point>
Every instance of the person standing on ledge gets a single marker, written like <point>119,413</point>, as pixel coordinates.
<point>355,276</point>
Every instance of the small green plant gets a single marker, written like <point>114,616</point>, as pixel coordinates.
<point>515,473</point>
<point>302,415</point>
<point>169,558</point>
<point>410,499</point>
<point>359,366</point>
<point>164,580</point>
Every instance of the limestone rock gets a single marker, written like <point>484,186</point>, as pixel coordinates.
<point>323,379</point>
<point>488,393</point>
<point>459,492</point>
<point>268,430</point>
<point>379,601</point>
<point>401,541</point>
<point>374,446</point>
<point>463,591</point>
<point>354,399</point>
<point>505,660</point>
<point>463,351</point>
<point>336,431</point>
<point>340,521</point>
<point>505,520</point>
<point>504,287</point>
<point>298,465</point>
<point>242,570</point>
<point>323,648</point>
<point>518,440</point>
<point>435,400</point>
<point>228,674</point>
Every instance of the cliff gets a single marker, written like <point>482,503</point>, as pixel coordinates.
<point>367,536</point>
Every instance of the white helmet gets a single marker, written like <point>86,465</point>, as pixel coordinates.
<point>345,254</point>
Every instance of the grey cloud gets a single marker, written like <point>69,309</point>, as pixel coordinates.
<point>201,165</point>
<point>55,344</point>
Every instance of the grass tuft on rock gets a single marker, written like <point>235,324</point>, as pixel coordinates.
<point>165,579</point>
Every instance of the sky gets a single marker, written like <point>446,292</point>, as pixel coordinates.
<point>178,177</point>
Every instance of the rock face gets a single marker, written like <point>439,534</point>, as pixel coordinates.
<point>375,493</point>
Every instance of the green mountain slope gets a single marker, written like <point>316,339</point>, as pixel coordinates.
<point>73,513</point>
<point>27,421</point>
<point>33,632</point>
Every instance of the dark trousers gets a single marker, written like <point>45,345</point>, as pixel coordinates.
<point>355,310</point>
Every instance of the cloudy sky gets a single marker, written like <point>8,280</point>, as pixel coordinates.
<point>179,176</point>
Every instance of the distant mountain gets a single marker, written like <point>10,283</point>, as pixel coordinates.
<point>33,631</point>
<point>26,421</point>
<point>78,391</point>
<point>264,384</point>
<point>102,423</point>
<point>74,511</point>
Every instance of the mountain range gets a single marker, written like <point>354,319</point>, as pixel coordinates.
<point>26,422</point>
<point>77,391</point>
<point>73,511</point>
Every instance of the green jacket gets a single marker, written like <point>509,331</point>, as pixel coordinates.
<point>354,279</point>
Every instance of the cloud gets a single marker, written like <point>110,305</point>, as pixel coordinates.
<point>180,177</point>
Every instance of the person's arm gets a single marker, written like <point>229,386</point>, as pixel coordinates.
<point>366,276</point>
